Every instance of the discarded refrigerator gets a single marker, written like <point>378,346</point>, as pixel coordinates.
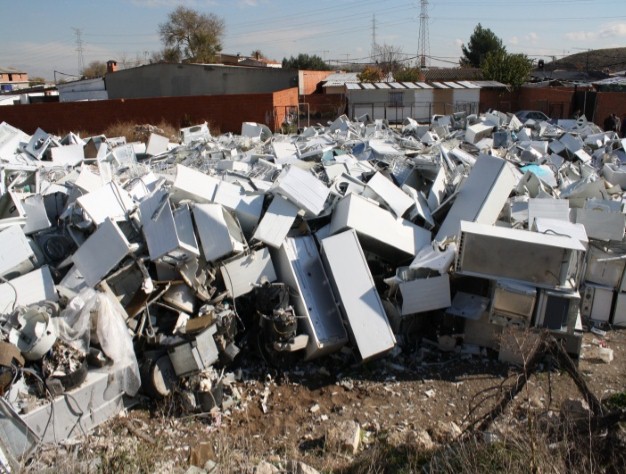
<point>356,294</point>
<point>299,265</point>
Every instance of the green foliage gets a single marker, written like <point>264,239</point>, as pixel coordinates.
<point>192,37</point>
<point>94,69</point>
<point>616,401</point>
<point>306,62</point>
<point>408,74</point>
<point>512,69</point>
<point>481,43</point>
<point>371,74</point>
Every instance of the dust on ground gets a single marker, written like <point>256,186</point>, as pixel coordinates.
<point>280,416</point>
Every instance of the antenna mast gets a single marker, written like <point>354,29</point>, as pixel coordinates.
<point>423,42</point>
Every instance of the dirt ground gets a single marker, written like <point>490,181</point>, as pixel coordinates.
<point>285,416</point>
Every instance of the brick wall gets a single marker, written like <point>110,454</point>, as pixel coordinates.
<point>322,107</point>
<point>608,103</point>
<point>309,80</point>
<point>224,113</point>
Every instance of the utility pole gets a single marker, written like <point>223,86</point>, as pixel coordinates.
<point>423,41</point>
<point>79,48</point>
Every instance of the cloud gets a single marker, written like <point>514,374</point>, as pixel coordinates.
<point>580,36</point>
<point>514,40</point>
<point>612,30</point>
<point>458,42</point>
<point>532,37</point>
<point>607,30</point>
<point>248,3</point>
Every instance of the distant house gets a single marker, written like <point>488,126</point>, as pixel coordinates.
<point>395,101</point>
<point>12,79</point>
<point>183,80</point>
<point>84,89</point>
<point>336,83</point>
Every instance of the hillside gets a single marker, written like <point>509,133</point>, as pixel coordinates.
<point>595,60</point>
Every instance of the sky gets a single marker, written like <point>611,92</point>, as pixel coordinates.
<point>45,38</point>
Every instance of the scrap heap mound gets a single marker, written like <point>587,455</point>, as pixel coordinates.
<point>133,268</point>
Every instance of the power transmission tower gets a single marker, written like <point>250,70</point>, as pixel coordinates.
<point>373,35</point>
<point>79,48</point>
<point>423,41</point>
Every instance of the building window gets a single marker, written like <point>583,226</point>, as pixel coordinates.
<point>395,98</point>
<point>10,77</point>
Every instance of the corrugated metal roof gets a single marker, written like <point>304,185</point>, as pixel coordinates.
<point>489,84</point>
<point>454,85</point>
<point>410,85</point>
<point>367,85</point>
<point>352,86</point>
<point>396,85</point>
<point>423,85</point>
<point>440,85</point>
<point>382,85</point>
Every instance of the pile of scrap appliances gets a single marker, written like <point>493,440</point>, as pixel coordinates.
<point>141,268</point>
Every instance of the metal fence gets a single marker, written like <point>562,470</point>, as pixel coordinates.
<point>420,111</point>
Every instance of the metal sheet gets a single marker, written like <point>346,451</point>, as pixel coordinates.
<point>356,292</point>
<point>425,294</point>
<point>216,238</point>
<point>243,273</point>
<point>247,207</point>
<point>482,196</point>
<point>16,256</point>
<point>379,231</point>
<point>34,287</point>
<point>101,252</point>
<point>303,189</point>
<point>194,185</point>
<point>276,222</point>
<point>109,201</point>
<point>160,228</point>
<point>392,196</point>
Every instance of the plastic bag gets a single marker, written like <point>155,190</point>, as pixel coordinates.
<point>97,317</point>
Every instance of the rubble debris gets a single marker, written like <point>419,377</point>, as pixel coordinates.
<point>128,267</point>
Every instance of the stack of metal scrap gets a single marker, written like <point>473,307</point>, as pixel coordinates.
<point>159,263</point>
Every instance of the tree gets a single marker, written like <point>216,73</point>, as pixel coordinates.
<point>36,81</point>
<point>94,69</point>
<point>192,37</point>
<point>371,74</point>
<point>388,58</point>
<point>512,69</point>
<point>408,74</point>
<point>306,62</point>
<point>482,42</point>
<point>257,54</point>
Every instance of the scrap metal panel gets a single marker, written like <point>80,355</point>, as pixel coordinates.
<point>380,232</point>
<point>34,287</point>
<point>356,293</point>
<point>425,294</point>
<point>303,189</point>
<point>219,235</point>
<point>482,196</point>
<point>276,222</point>
<point>16,257</point>
<point>243,273</point>
<point>101,252</point>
